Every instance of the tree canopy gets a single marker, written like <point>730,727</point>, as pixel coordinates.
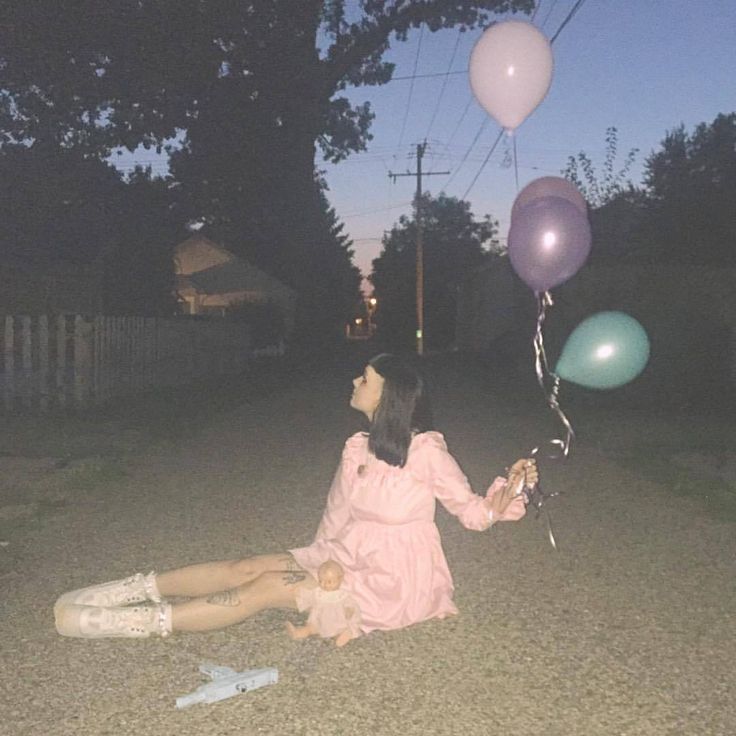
<point>57,204</point>
<point>684,211</point>
<point>454,242</point>
<point>691,189</point>
<point>252,90</point>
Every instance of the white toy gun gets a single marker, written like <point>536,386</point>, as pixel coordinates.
<point>226,683</point>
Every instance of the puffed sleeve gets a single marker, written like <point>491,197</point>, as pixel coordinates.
<point>337,510</point>
<point>451,486</point>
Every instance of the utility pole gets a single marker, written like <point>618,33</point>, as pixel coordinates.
<point>421,148</point>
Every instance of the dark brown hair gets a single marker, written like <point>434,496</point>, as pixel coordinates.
<point>404,409</point>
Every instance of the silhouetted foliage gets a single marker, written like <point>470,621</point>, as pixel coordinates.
<point>600,189</point>
<point>683,216</point>
<point>691,187</point>
<point>252,89</point>
<point>59,205</point>
<point>685,211</point>
<point>265,319</point>
<point>453,243</point>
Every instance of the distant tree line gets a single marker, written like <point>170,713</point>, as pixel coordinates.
<point>683,213</point>
<point>454,243</point>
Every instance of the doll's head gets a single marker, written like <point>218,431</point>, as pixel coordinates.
<point>330,575</point>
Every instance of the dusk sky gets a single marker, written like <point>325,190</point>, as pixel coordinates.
<point>643,66</point>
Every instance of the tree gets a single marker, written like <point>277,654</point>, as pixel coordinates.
<point>139,268</point>
<point>600,190</point>
<point>255,87</point>
<point>683,214</point>
<point>59,205</point>
<point>617,209</point>
<point>56,203</point>
<point>691,185</point>
<point>453,243</point>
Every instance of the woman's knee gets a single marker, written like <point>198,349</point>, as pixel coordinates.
<point>243,571</point>
<point>248,569</point>
<point>280,587</point>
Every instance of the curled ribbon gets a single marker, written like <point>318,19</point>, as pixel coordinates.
<point>544,374</point>
<point>534,495</point>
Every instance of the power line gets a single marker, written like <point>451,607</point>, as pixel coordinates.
<point>411,88</point>
<point>467,153</point>
<point>549,12</point>
<point>483,165</point>
<point>444,84</point>
<point>427,76</point>
<point>569,17</point>
<point>460,121</point>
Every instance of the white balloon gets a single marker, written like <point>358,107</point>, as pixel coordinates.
<point>511,71</point>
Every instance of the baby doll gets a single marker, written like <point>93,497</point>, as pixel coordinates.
<point>333,613</point>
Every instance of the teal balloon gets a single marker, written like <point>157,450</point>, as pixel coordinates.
<point>605,350</point>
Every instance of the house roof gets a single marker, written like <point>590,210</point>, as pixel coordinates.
<point>234,276</point>
<point>197,253</point>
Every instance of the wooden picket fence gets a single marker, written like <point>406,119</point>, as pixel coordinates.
<point>69,361</point>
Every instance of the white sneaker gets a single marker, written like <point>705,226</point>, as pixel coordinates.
<point>94,622</point>
<point>135,589</point>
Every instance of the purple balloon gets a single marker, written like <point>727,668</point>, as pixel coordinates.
<point>549,186</point>
<point>549,241</point>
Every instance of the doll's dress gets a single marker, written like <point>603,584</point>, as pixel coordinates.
<point>330,611</point>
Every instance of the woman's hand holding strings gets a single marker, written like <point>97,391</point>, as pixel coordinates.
<point>509,503</point>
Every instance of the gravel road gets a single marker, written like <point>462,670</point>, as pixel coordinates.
<point>626,629</point>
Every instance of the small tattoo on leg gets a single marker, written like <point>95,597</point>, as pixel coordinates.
<point>229,598</point>
<point>291,578</point>
<point>290,564</point>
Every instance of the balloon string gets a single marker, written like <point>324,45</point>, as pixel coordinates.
<point>516,167</point>
<point>543,371</point>
<point>535,496</point>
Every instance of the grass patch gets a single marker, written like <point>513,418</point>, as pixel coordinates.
<point>655,463</point>
<point>90,473</point>
<point>136,423</point>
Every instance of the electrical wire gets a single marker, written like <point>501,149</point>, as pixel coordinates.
<point>549,12</point>
<point>426,76</point>
<point>411,88</point>
<point>467,153</point>
<point>483,165</point>
<point>569,17</point>
<point>444,84</point>
<point>460,121</point>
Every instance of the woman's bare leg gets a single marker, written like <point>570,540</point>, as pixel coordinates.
<point>195,581</point>
<point>224,608</point>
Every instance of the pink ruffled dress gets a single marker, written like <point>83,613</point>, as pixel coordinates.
<point>379,526</point>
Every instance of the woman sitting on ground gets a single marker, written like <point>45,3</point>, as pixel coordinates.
<point>378,526</point>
